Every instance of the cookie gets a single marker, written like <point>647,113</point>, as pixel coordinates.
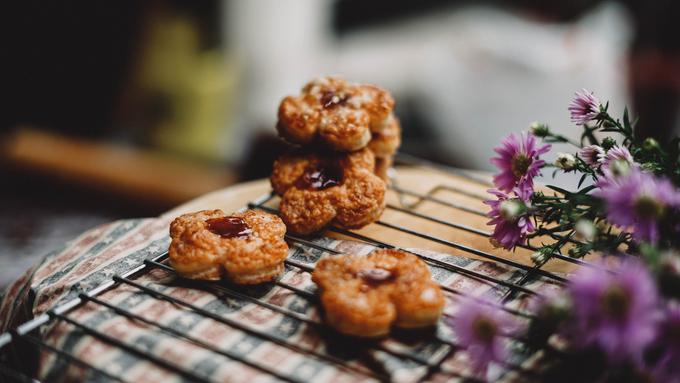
<point>321,189</point>
<point>386,138</point>
<point>366,296</point>
<point>245,248</point>
<point>382,168</point>
<point>334,112</point>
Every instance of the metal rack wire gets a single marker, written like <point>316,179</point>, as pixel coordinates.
<point>14,364</point>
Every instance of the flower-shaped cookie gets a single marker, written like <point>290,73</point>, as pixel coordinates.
<point>365,296</point>
<point>334,112</point>
<point>384,143</point>
<point>382,167</point>
<point>321,189</point>
<point>386,138</point>
<point>246,248</point>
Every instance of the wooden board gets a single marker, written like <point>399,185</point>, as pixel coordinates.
<point>147,175</point>
<point>444,226</point>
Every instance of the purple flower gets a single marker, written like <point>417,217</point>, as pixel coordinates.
<point>584,108</point>
<point>638,201</point>
<point>614,311</point>
<point>616,163</point>
<point>510,218</point>
<point>518,161</point>
<point>592,155</point>
<point>479,329</point>
<point>617,154</point>
<point>667,367</point>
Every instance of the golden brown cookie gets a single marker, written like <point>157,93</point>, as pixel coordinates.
<point>246,248</point>
<point>365,296</point>
<point>386,139</point>
<point>384,144</point>
<point>334,112</point>
<point>382,167</point>
<point>318,190</point>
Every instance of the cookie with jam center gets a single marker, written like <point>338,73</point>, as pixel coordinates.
<point>245,248</point>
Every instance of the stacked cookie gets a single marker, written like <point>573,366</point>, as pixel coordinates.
<point>343,117</point>
<point>347,135</point>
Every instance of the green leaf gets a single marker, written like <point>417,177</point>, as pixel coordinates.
<point>559,190</point>
<point>587,189</point>
<point>626,122</point>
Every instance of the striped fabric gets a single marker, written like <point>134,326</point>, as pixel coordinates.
<point>111,249</point>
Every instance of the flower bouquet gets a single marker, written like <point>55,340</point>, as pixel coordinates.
<point>618,318</point>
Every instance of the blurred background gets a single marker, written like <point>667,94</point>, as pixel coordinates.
<point>127,108</point>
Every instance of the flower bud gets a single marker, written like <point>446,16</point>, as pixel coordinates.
<point>539,257</point>
<point>560,304</point>
<point>565,161</point>
<point>585,230</point>
<point>650,144</point>
<point>511,209</point>
<point>608,143</point>
<point>574,252</point>
<point>648,167</point>
<point>539,129</point>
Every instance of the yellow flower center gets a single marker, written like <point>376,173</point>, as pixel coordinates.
<point>615,301</point>
<point>512,209</point>
<point>619,168</point>
<point>648,208</point>
<point>520,165</point>
<point>484,329</point>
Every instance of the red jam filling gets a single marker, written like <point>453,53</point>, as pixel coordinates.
<point>229,227</point>
<point>330,99</point>
<point>320,177</point>
<point>376,275</point>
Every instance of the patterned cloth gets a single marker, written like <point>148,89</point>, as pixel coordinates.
<point>111,249</point>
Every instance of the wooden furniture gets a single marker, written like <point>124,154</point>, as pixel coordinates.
<point>135,173</point>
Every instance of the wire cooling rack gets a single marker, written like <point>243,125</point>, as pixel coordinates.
<point>18,345</point>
